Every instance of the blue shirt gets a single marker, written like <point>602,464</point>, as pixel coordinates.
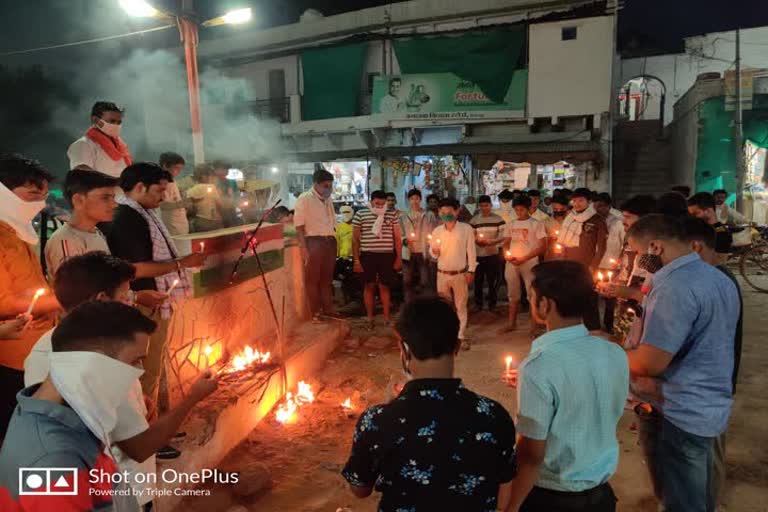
<point>571,392</point>
<point>692,312</point>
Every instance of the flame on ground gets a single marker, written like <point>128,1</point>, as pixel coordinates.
<point>287,412</point>
<point>347,404</point>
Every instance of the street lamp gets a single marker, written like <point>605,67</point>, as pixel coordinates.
<point>188,31</point>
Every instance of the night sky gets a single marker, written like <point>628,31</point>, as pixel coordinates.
<point>646,26</point>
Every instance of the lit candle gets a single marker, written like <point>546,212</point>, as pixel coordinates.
<point>557,232</point>
<point>429,237</point>
<point>558,248</point>
<point>245,204</point>
<point>509,254</point>
<point>210,189</point>
<point>481,235</point>
<point>610,275</point>
<point>202,246</point>
<point>208,351</point>
<point>175,283</point>
<point>613,262</point>
<point>508,360</point>
<point>438,241</point>
<point>631,311</point>
<point>39,293</point>
<point>413,235</point>
<point>347,404</point>
<point>600,277</point>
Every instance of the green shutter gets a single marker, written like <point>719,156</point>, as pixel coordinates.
<point>332,81</point>
<point>487,58</point>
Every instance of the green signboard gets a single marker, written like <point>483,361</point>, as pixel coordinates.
<point>445,96</point>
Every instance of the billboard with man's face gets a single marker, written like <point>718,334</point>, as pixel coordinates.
<point>438,96</point>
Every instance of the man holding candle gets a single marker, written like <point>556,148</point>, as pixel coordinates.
<point>173,209</point>
<point>377,250</point>
<point>139,236</point>
<point>571,393</point>
<point>525,241</point>
<point>415,225</point>
<point>489,233</point>
<point>23,190</point>
<point>687,350</point>
<point>613,248</point>
<point>453,244</point>
<point>101,148</point>
<point>505,206</point>
<point>437,446</point>
<point>584,236</point>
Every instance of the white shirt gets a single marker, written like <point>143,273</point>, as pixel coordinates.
<point>544,219</point>
<point>86,152</point>
<point>457,248</point>
<point>615,244</point>
<point>131,414</point>
<point>389,104</point>
<point>175,219</point>
<point>315,214</point>
<point>524,236</point>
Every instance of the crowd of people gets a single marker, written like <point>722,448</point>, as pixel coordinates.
<point>81,355</point>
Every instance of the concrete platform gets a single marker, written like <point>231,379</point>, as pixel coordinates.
<point>222,421</point>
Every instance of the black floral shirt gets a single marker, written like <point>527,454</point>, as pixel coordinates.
<point>437,446</point>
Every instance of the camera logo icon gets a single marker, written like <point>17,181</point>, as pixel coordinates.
<point>47,481</point>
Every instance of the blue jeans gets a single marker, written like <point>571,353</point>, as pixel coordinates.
<point>680,464</point>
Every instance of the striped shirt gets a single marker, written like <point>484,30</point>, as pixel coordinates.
<point>491,227</point>
<point>369,242</point>
<point>69,241</point>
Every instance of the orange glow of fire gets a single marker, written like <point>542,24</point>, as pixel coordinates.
<point>347,404</point>
<point>287,412</point>
<point>248,357</point>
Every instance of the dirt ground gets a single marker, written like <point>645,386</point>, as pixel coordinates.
<point>305,458</point>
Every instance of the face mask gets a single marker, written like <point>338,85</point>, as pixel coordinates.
<point>651,263</point>
<point>93,385</point>
<point>113,130</point>
<point>19,214</point>
<point>326,193</point>
<point>448,217</point>
<point>506,206</point>
<point>346,217</point>
<point>379,211</point>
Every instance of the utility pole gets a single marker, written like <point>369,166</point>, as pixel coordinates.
<point>738,134</point>
<point>188,31</point>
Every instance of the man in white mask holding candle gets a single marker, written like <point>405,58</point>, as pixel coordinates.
<point>23,190</point>
<point>65,422</point>
<point>102,148</point>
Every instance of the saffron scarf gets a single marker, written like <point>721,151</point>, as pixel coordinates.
<point>115,148</point>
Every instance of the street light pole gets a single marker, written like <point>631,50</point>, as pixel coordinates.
<point>738,130</point>
<point>188,32</point>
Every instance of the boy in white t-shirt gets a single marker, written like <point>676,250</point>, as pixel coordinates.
<point>525,240</point>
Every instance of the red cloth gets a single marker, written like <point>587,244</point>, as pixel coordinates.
<point>115,148</point>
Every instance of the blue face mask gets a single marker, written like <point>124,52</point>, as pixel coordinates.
<point>448,217</point>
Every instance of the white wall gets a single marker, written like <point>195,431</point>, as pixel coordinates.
<point>568,78</point>
<point>257,76</point>
<point>708,53</point>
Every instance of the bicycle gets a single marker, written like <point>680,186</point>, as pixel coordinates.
<point>753,264</point>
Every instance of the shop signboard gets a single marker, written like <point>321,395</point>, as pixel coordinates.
<point>445,97</point>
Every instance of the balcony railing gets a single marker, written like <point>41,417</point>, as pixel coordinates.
<point>278,109</point>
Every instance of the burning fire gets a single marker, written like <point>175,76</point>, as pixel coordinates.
<point>286,412</point>
<point>347,404</point>
<point>248,357</point>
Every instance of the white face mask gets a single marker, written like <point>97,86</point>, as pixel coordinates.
<point>379,211</point>
<point>346,217</point>
<point>19,214</point>
<point>113,130</point>
<point>93,385</point>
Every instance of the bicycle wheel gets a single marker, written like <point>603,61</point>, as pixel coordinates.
<point>754,267</point>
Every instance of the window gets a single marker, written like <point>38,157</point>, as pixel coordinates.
<point>568,33</point>
<point>371,78</point>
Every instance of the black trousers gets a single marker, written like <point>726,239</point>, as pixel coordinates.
<point>592,314</point>
<point>608,315</point>
<point>488,269</point>
<point>598,499</point>
<point>11,382</point>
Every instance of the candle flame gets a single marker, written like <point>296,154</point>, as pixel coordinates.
<point>245,203</point>
<point>413,235</point>
<point>612,261</point>
<point>600,276</point>
<point>429,237</point>
<point>558,247</point>
<point>208,350</point>
<point>610,275</point>
<point>508,360</point>
<point>509,253</point>
<point>481,235</point>
<point>347,404</point>
<point>39,293</point>
<point>210,189</point>
<point>631,311</point>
